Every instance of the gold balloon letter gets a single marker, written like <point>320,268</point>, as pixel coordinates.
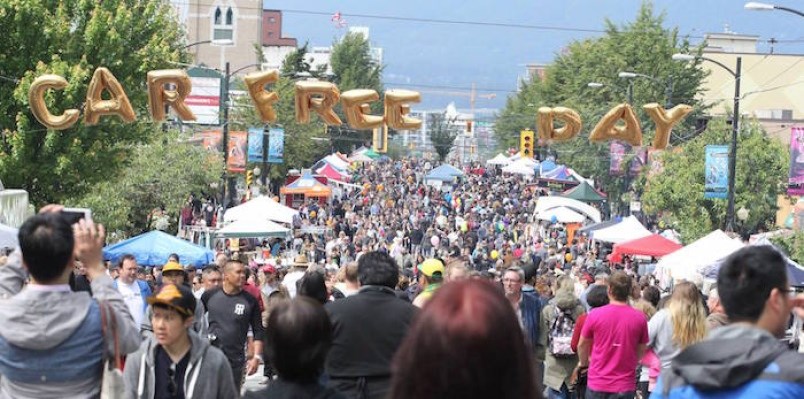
<point>571,119</point>
<point>36,97</point>
<point>159,95</point>
<point>97,106</point>
<point>665,120</point>
<point>606,129</point>
<point>264,100</point>
<point>357,110</point>
<point>326,96</point>
<point>396,109</point>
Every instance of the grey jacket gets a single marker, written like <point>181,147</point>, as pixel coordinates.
<point>557,371</point>
<point>208,374</point>
<point>40,322</point>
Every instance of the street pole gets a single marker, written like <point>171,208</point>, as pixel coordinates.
<point>224,176</point>
<point>669,93</point>
<point>735,129</point>
<point>266,137</point>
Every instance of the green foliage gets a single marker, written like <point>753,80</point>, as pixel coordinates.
<point>677,193</point>
<point>300,150</point>
<point>792,245</point>
<point>443,132</point>
<point>72,38</point>
<point>642,46</point>
<point>353,68</point>
<point>161,173</point>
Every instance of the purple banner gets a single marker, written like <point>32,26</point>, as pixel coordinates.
<point>639,160</point>
<point>795,185</point>
<point>617,154</point>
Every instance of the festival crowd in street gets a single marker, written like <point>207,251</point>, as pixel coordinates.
<point>395,290</point>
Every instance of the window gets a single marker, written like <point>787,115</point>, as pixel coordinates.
<point>223,28</point>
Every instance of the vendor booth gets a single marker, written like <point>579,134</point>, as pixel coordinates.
<point>153,249</point>
<point>261,208</point>
<point>253,228</point>
<point>304,188</point>
<point>628,229</point>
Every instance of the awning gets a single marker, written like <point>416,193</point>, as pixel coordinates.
<point>584,192</point>
<point>652,245</point>
<point>153,249</point>
<point>253,228</point>
<point>627,230</point>
<point>561,215</point>
<point>261,208</point>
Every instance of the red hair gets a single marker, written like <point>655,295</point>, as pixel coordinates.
<point>467,343</point>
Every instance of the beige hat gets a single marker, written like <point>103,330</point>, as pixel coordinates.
<point>301,261</point>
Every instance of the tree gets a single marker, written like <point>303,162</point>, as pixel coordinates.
<point>161,174</point>
<point>643,46</point>
<point>443,132</point>
<point>677,193</point>
<point>72,38</point>
<point>792,245</point>
<point>300,148</point>
<point>353,68</point>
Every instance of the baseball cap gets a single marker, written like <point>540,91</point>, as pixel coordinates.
<point>176,297</point>
<point>268,269</point>
<point>431,266</point>
<point>172,267</point>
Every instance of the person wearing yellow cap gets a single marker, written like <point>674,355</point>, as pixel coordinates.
<point>431,276</point>
<point>173,273</point>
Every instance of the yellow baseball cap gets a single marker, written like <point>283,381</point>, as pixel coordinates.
<point>431,266</point>
<point>172,267</point>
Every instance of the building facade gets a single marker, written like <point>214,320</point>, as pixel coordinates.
<point>771,86</point>
<point>275,47</point>
<point>237,23</point>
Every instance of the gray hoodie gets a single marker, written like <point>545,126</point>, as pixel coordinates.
<point>43,327</point>
<point>208,374</point>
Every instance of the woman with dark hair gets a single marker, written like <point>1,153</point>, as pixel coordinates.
<point>299,335</point>
<point>468,326</point>
<point>314,285</point>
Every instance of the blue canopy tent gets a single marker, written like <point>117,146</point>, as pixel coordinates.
<point>444,173</point>
<point>153,248</point>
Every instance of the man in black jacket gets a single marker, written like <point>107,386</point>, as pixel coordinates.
<point>367,330</point>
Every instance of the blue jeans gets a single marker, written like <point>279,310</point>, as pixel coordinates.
<point>564,393</point>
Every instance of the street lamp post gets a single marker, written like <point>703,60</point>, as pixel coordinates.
<point>757,6</point>
<point>735,128</point>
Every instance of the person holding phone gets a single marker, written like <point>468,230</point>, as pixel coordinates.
<point>51,340</point>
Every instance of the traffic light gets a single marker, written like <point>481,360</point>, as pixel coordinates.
<point>249,178</point>
<point>526,143</point>
<point>468,128</point>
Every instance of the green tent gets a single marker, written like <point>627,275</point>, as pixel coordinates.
<point>584,192</point>
<point>371,153</point>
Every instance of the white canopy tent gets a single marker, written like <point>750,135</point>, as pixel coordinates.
<point>253,228</point>
<point>549,202</point>
<point>500,160</point>
<point>261,208</point>
<point>520,167</point>
<point>360,158</point>
<point>561,214</point>
<point>8,237</point>
<point>688,261</point>
<point>336,162</point>
<point>629,229</point>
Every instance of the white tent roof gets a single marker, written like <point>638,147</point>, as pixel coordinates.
<point>562,215</point>
<point>251,228</point>
<point>500,159</point>
<point>520,167</point>
<point>709,249</point>
<point>545,203</point>
<point>627,230</point>
<point>261,208</point>
<point>8,237</point>
<point>360,157</point>
<point>336,162</point>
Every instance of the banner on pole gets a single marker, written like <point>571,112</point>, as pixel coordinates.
<point>238,145</point>
<point>716,173</point>
<point>212,140</point>
<point>795,185</point>
<point>255,137</point>
<point>276,145</point>
<point>617,158</point>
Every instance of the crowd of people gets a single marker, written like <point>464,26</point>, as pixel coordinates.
<point>404,291</point>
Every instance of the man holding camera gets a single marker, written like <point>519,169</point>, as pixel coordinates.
<point>51,340</point>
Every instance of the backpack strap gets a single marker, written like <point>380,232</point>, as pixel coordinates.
<point>109,330</point>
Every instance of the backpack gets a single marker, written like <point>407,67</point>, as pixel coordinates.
<point>560,335</point>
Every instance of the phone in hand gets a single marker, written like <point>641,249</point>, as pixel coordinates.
<point>74,215</point>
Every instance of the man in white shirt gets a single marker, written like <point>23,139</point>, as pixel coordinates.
<point>134,291</point>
